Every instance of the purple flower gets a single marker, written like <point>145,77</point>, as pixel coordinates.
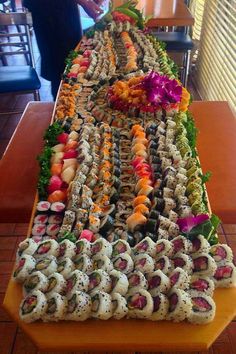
<point>186,224</point>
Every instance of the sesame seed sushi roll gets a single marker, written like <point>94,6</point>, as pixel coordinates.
<point>221,253</point>
<point>203,309</point>
<point>123,263</point>
<point>225,275</point>
<point>78,281</point>
<point>202,284</point>
<point>102,262</point>
<point>23,268</point>
<point>83,247</point>
<point>47,265</point>
<point>183,261</point>
<point>33,307</point>
<point>160,307</point>
<point>28,246</point>
<point>140,304</point>
<point>43,207</point>
<point>65,267</point>
<point>56,308</point>
<point>163,248</point>
<point>137,280</point>
<point>67,249</point>
<point>41,219</point>
<point>83,263</point>
<point>101,305</point>
<point>56,284</point>
<point>119,282</point>
<point>38,230</point>
<point>47,248</point>
<point>181,244</point>
<point>145,246</point>
<point>164,264</point>
<point>101,247</point>
<point>158,282</point>
<point>200,245</point>
<point>119,306</point>
<point>35,281</point>
<point>203,264</point>
<point>179,279</point>
<point>144,263</point>
<point>78,306</point>
<point>119,247</point>
<point>180,305</point>
<point>99,280</point>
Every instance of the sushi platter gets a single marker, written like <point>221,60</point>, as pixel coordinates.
<point>122,239</point>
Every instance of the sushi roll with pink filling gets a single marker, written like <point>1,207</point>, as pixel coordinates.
<point>163,248</point>
<point>164,264</point>
<point>35,281</point>
<point>200,245</point>
<point>160,307</point>
<point>24,267</point>
<point>136,281</point>
<point>202,284</point>
<point>83,263</point>
<point>203,264</point>
<point>52,229</point>
<point>33,307</point>
<point>119,282</point>
<point>123,263</point>
<point>203,309</point>
<point>43,207</point>
<point>101,305</point>
<point>119,306</point>
<point>183,261</point>
<point>47,248</point>
<point>181,244</point>
<point>101,247</point>
<point>67,249</point>
<point>57,207</point>
<point>221,253</point>
<point>47,265</point>
<point>99,280</point>
<point>158,282</point>
<point>78,306</point>
<point>78,281</point>
<point>179,279</point>
<point>225,275</point>
<point>140,304</point>
<point>119,247</point>
<point>66,267</point>
<point>144,263</point>
<point>41,219</point>
<point>145,246</point>
<point>38,230</point>
<point>102,262</point>
<point>28,246</point>
<point>180,305</point>
<point>55,219</point>
<point>83,247</point>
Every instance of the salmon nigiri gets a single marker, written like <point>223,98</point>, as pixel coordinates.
<point>141,208</point>
<point>141,183</point>
<point>135,221</point>
<point>141,199</point>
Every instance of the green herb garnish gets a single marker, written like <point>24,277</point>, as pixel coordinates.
<point>51,134</point>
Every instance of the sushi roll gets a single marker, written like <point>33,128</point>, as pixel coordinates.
<point>78,281</point>
<point>119,306</point>
<point>99,280</point>
<point>56,308</point>
<point>144,263</point>
<point>135,222</point>
<point>163,248</point>
<point>119,247</point>
<point>23,268</point>
<point>221,253</point>
<point>56,283</point>
<point>83,263</point>
<point>101,247</point>
<point>180,305</point>
<point>202,284</point>
<point>67,249</point>
<point>83,247</point>
<point>181,244</point>
<point>101,305</point>
<point>65,267</point>
<point>140,304</point>
<point>179,279</point>
<point>43,207</point>
<point>183,261</point>
<point>35,281</point>
<point>78,306</point>
<point>158,282</point>
<point>204,264</point>
<point>164,264</point>
<point>47,248</point>
<point>123,263</point>
<point>47,265</point>
<point>57,207</point>
<point>203,309</point>
<point>225,275</point>
<point>28,246</point>
<point>102,262</point>
<point>38,230</point>
<point>200,245</point>
<point>41,219</point>
<point>33,307</point>
<point>55,219</point>
<point>145,246</point>
<point>136,281</point>
<point>119,282</point>
<point>160,307</point>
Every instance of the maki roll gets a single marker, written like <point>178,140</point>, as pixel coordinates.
<point>56,283</point>
<point>41,219</point>
<point>83,263</point>
<point>78,306</point>
<point>180,305</point>
<point>47,265</point>
<point>55,219</point>
<point>47,248</point>
<point>158,282</point>
<point>200,245</point>
<point>136,281</point>
<point>163,248</point>
<point>65,267</point>
<point>52,229</point>
<point>43,207</point>
<point>119,247</point>
<point>123,263</point>
<point>38,230</point>
<point>56,308</point>
<point>57,207</point>
<point>102,262</point>
<point>24,266</point>
<point>106,224</point>
<point>183,261</point>
<point>78,281</point>
<point>119,282</point>
<point>145,246</point>
<point>67,249</point>
<point>35,281</point>
<point>203,309</point>
<point>202,284</point>
<point>101,305</point>
<point>140,304</point>
<point>225,275</point>
<point>99,280</point>
<point>144,263</point>
<point>221,253</point>
<point>164,264</point>
<point>119,306</point>
<point>179,279</point>
<point>160,307</point>
<point>101,247</point>
<point>28,246</point>
<point>204,265</point>
<point>181,244</point>
<point>83,247</point>
<point>33,307</point>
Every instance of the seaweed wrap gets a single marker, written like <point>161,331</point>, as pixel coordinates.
<point>102,262</point>
<point>137,280</point>
<point>158,282</point>
<point>83,263</point>
<point>160,307</point>
<point>183,261</point>
<point>163,263</point>
<point>35,281</point>
<point>119,247</point>
<point>146,246</point>
<point>56,308</point>
<point>123,263</point>
<point>180,305</point>
<point>67,249</point>
<point>38,230</point>
<point>47,248</point>
<point>221,253</point>
<point>119,282</point>
<point>163,248</point>
<point>202,284</point>
<point>181,244</point>
<point>119,306</point>
<point>200,245</point>
<point>101,247</point>
<point>78,306</point>
<point>23,268</point>
<point>47,265</point>
<point>65,267</point>
<point>28,246</point>
<point>99,280</point>
<point>101,305</point>
<point>83,247</point>
<point>179,279</point>
<point>203,264</point>
<point>78,281</point>
<point>33,307</point>
<point>140,304</point>
<point>144,263</point>
<point>203,308</point>
<point>56,283</point>
<point>225,275</point>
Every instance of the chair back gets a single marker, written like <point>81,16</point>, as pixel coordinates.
<point>15,36</point>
